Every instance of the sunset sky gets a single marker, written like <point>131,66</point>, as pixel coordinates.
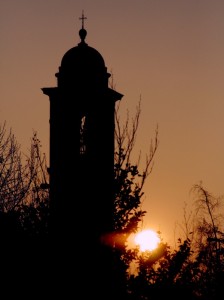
<point>168,52</point>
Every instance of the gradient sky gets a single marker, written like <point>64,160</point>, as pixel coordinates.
<point>169,52</point>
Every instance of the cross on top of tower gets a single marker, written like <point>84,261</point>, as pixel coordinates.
<point>82,31</point>
<point>83,18</point>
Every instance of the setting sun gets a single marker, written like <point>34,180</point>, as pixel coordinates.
<point>147,240</point>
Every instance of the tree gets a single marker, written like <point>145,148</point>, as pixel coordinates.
<point>34,209</point>
<point>193,271</point>
<point>15,179</point>
<point>23,214</point>
<point>208,243</point>
<point>163,274</point>
<point>23,184</point>
<point>129,183</point>
<point>32,202</point>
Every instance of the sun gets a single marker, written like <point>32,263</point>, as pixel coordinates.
<point>147,240</point>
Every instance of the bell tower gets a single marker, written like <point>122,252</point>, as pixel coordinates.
<point>82,108</point>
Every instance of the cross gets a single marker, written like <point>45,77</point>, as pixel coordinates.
<point>82,18</point>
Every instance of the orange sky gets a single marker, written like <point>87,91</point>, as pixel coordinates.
<point>169,52</point>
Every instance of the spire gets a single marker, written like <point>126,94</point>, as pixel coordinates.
<point>82,31</point>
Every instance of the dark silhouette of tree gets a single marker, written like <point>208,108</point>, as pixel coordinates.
<point>23,183</point>
<point>34,209</point>
<point>193,271</point>
<point>23,214</point>
<point>32,203</point>
<point>129,183</point>
<point>15,179</point>
<point>208,243</point>
<point>163,274</point>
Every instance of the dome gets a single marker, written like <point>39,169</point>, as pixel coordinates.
<point>83,58</point>
<point>82,66</point>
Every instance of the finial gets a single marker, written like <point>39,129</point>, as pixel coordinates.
<point>82,31</point>
<point>82,18</point>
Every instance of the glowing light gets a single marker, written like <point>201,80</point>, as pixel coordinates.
<point>147,240</point>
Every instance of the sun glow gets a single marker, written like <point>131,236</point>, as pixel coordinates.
<point>147,240</point>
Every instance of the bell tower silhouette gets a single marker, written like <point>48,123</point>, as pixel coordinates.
<point>82,109</point>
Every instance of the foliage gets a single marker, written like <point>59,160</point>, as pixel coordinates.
<point>129,181</point>
<point>15,179</point>
<point>195,270</point>
<point>162,273</point>
<point>23,184</point>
